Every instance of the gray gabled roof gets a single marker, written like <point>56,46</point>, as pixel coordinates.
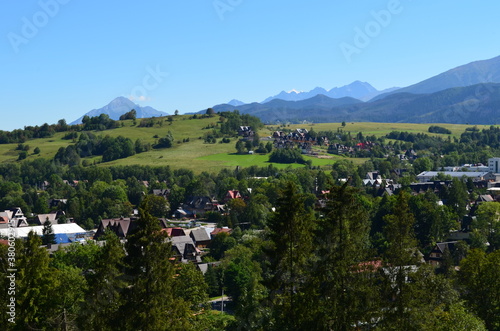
<point>200,235</point>
<point>180,243</point>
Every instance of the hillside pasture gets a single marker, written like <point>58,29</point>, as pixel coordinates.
<point>199,156</point>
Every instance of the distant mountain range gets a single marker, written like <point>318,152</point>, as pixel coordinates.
<point>358,90</point>
<point>120,106</point>
<point>467,94</point>
<point>476,104</point>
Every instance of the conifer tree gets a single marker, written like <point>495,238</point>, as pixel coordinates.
<point>105,287</point>
<point>33,284</point>
<point>48,233</point>
<point>150,301</point>
<point>342,289</point>
<point>400,261</point>
<point>290,233</point>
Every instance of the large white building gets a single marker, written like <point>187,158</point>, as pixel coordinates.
<point>426,176</point>
<point>494,165</point>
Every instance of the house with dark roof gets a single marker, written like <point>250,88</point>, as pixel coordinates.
<point>120,226</point>
<point>57,203</point>
<point>200,237</point>
<point>184,250</point>
<point>203,267</point>
<point>164,193</point>
<point>199,205</point>
<point>436,256</point>
<point>42,218</point>
<point>14,216</point>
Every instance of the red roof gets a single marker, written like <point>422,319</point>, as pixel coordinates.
<point>233,194</point>
<point>4,242</point>
<point>369,266</point>
<point>216,231</point>
<point>174,232</point>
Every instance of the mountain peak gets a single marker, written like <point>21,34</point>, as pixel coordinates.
<point>119,106</point>
<point>235,103</point>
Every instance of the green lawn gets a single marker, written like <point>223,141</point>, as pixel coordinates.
<point>232,160</point>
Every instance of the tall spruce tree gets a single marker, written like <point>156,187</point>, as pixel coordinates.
<point>106,284</point>
<point>150,301</point>
<point>33,284</point>
<point>400,261</point>
<point>290,234</point>
<point>341,290</point>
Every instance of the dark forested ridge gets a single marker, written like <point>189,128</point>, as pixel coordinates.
<point>476,104</point>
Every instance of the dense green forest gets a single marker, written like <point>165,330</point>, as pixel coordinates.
<point>298,258</point>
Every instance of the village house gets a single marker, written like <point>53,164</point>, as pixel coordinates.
<point>199,205</point>
<point>164,193</point>
<point>216,231</point>
<point>52,217</point>
<point>13,216</point>
<point>246,132</point>
<point>201,237</point>
<point>119,226</point>
<point>123,226</point>
<point>184,250</point>
<point>232,194</point>
<point>436,256</point>
<point>175,232</point>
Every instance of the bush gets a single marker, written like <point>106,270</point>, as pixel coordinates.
<point>165,142</point>
<point>22,155</point>
<point>439,129</point>
<point>284,155</point>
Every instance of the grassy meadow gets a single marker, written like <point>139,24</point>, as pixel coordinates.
<point>199,156</point>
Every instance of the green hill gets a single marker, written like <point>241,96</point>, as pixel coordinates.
<point>190,151</point>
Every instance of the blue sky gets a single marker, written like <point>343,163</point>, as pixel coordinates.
<point>62,58</point>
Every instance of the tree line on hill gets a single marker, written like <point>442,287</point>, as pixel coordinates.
<point>99,123</point>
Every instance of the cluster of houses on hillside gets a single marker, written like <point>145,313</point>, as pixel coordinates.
<point>299,138</point>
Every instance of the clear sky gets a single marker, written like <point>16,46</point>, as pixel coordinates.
<point>62,58</point>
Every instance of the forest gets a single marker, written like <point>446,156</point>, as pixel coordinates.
<point>307,252</point>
